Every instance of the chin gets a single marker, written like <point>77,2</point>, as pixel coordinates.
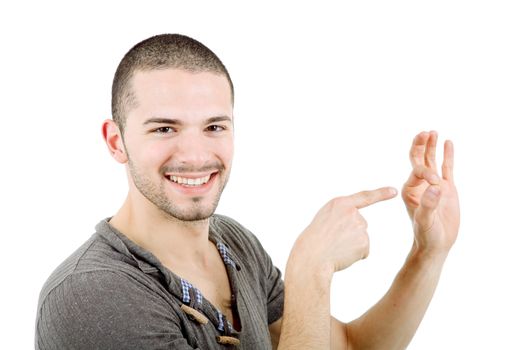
<point>192,213</point>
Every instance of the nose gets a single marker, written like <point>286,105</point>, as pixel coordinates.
<point>192,149</point>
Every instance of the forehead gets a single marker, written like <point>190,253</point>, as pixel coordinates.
<point>180,93</point>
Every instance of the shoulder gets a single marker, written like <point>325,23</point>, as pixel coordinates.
<point>95,274</point>
<point>99,309</point>
<point>98,288</point>
<point>66,268</point>
<point>94,255</point>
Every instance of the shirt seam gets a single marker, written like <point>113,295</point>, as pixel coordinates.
<point>70,273</point>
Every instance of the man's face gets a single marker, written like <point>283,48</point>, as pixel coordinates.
<point>179,140</point>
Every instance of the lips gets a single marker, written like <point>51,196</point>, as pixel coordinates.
<point>192,184</point>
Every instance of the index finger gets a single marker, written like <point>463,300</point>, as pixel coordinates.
<point>365,198</point>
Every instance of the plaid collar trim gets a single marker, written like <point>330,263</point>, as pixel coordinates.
<point>225,254</point>
<point>181,288</point>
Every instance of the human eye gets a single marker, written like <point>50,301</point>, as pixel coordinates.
<point>215,128</point>
<point>163,130</point>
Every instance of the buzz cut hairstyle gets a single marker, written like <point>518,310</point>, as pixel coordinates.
<point>162,51</point>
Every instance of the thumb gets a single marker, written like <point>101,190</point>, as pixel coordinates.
<point>424,216</point>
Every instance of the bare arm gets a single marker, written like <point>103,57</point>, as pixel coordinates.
<point>393,321</point>
<point>390,324</point>
<point>433,207</point>
<point>334,240</point>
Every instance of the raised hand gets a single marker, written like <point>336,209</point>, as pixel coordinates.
<point>432,201</point>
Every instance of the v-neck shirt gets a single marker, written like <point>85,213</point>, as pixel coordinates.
<point>113,294</point>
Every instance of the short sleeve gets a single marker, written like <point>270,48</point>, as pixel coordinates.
<point>275,292</point>
<point>273,282</point>
<point>106,310</point>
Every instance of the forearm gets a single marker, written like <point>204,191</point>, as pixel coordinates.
<point>393,321</point>
<point>306,317</point>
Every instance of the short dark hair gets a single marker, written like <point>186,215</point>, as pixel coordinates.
<point>160,52</point>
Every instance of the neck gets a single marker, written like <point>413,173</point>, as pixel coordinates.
<point>174,242</point>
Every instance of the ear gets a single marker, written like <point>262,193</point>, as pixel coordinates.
<point>114,141</point>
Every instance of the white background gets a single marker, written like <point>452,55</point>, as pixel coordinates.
<point>328,98</point>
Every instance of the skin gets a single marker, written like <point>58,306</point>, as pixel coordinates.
<point>191,135</point>
<point>337,238</point>
<point>183,126</point>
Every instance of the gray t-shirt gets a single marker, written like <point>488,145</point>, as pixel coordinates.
<point>113,294</point>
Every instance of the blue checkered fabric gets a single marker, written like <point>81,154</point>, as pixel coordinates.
<point>223,250</point>
<point>199,296</point>
<point>186,286</point>
<point>221,318</point>
<point>221,321</point>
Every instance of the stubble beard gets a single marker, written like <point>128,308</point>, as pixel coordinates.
<point>157,194</point>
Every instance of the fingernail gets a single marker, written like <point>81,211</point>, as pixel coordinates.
<point>393,191</point>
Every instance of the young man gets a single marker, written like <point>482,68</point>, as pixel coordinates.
<point>166,273</point>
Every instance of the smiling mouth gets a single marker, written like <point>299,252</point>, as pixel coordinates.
<point>190,182</point>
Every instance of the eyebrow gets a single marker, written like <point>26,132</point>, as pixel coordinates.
<point>173,121</point>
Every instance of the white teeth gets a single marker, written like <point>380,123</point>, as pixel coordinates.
<point>190,182</point>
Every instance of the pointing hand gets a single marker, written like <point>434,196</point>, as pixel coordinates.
<point>337,236</point>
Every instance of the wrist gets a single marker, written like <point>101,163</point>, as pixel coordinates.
<point>306,302</point>
<point>304,266</point>
<point>424,255</point>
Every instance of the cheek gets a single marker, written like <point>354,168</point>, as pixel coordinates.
<point>149,154</point>
<point>225,151</point>
<point>156,154</point>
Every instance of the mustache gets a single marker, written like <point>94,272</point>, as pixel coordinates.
<point>183,168</point>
